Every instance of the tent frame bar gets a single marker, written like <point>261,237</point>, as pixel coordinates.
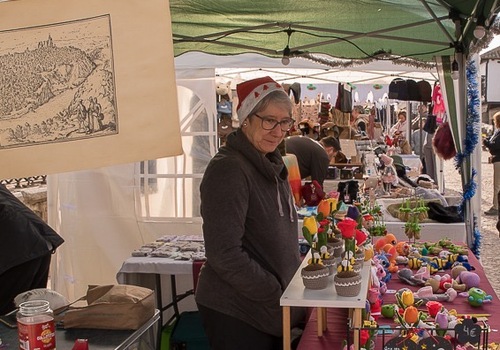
<point>438,21</point>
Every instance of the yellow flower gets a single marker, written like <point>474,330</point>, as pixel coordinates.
<point>407,298</point>
<point>311,224</point>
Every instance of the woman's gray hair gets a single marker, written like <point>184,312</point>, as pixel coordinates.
<point>278,97</point>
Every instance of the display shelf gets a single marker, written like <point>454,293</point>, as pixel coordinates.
<point>296,295</point>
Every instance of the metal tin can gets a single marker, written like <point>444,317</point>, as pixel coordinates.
<point>35,324</point>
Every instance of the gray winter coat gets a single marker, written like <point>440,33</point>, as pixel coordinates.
<point>250,232</point>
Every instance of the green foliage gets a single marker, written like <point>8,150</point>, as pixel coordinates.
<point>307,235</point>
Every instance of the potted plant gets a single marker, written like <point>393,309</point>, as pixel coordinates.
<point>326,209</point>
<point>412,226</point>
<point>347,281</point>
<point>315,273</point>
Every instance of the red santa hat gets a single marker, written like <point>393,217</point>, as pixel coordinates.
<point>251,92</point>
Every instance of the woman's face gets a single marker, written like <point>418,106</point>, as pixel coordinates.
<point>266,141</point>
<point>401,118</point>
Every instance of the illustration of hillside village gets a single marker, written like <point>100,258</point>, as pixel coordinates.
<point>56,93</point>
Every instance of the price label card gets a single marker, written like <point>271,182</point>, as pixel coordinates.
<point>468,332</point>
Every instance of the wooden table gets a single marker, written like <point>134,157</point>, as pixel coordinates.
<point>297,295</point>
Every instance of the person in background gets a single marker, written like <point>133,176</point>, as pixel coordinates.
<point>359,121</point>
<point>313,157</point>
<point>249,226</point>
<point>398,130</point>
<point>417,138</point>
<point>493,145</point>
<point>371,124</point>
<point>26,250</point>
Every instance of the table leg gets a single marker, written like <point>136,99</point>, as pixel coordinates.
<point>356,323</point>
<point>319,313</point>
<point>325,320</point>
<point>159,303</point>
<point>286,328</point>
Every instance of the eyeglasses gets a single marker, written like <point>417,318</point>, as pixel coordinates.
<point>270,123</point>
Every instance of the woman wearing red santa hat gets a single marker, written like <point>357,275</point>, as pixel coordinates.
<point>249,226</point>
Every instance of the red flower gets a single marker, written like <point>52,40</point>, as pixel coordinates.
<point>433,307</point>
<point>364,336</point>
<point>347,227</point>
<point>324,222</point>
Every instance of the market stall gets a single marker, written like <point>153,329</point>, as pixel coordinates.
<point>337,326</point>
<point>419,289</point>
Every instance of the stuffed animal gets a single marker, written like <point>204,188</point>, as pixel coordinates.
<point>378,275</point>
<point>382,241</point>
<point>403,248</point>
<point>406,275</point>
<point>389,174</point>
<point>455,272</point>
<point>384,262</point>
<point>425,294</point>
<point>478,297</point>
<point>469,279</point>
<point>223,91</point>
<point>437,283</point>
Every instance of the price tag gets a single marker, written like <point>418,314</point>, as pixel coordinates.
<point>468,331</point>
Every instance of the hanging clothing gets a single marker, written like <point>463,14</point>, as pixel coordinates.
<point>439,108</point>
<point>344,98</point>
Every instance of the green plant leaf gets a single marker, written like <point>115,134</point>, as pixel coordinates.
<point>307,235</point>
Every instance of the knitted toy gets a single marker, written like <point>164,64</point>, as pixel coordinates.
<point>389,174</point>
<point>406,275</point>
<point>478,297</point>
<point>469,279</point>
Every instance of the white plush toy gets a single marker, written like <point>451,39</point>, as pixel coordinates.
<point>223,91</point>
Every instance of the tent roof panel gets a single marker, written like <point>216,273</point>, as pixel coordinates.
<point>349,29</point>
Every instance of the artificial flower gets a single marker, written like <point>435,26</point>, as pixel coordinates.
<point>433,307</point>
<point>325,207</point>
<point>410,315</point>
<point>347,227</point>
<point>407,298</point>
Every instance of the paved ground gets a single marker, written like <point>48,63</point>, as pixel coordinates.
<point>490,257</point>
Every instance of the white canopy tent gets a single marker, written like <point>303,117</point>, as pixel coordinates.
<point>304,71</point>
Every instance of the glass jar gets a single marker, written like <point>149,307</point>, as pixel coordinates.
<point>35,324</point>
